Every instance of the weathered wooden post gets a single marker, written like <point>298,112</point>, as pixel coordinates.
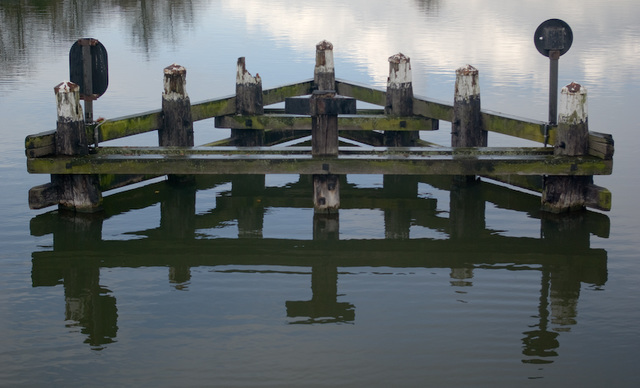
<point>324,75</point>
<point>177,125</point>
<point>324,109</point>
<point>466,127</point>
<point>79,193</point>
<point>248,102</point>
<point>400,100</point>
<point>568,193</point>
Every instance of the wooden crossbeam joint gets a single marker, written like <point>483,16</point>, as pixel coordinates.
<point>325,102</point>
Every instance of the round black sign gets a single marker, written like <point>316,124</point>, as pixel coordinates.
<point>553,34</point>
<point>97,54</point>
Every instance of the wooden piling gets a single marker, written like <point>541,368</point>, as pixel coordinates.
<point>569,193</point>
<point>177,125</point>
<point>324,125</point>
<point>324,75</point>
<point>399,100</point>
<point>248,102</point>
<point>80,193</point>
<point>466,127</point>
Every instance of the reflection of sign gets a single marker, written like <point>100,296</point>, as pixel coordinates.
<point>91,55</point>
<point>553,35</point>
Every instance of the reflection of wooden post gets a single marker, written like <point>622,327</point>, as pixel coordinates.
<point>326,227</point>
<point>399,100</point>
<point>568,193</point>
<point>397,219</point>
<point>466,210</point>
<point>177,126</point>
<point>248,102</point>
<point>247,192</point>
<point>76,192</point>
<point>324,76</point>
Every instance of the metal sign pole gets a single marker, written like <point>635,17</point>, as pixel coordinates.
<point>553,38</point>
<point>88,79</point>
<point>554,56</point>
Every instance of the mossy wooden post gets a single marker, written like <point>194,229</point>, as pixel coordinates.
<point>399,100</point>
<point>248,102</point>
<point>568,193</point>
<point>79,193</point>
<point>324,142</point>
<point>177,124</point>
<point>466,127</point>
<point>324,75</point>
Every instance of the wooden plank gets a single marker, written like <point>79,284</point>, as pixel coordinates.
<point>43,196</point>
<point>398,164</point>
<point>347,123</point>
<point>516,126</point>
<point>40,144</point>
<point>361,92</point>
<point>601,145</point>
<point>598,198</point>
<point>427,107</point>
<point>278,94</point>
<point>212,108</point>
<point>120,127</point>
<point>345,150</point>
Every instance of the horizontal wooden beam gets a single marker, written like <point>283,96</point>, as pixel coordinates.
<point>347,123</point>
<point>439,162</point>
<point>361,92</point>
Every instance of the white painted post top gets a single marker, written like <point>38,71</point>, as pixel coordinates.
<point>399,70</point>
<point>175,82</point>
<point>324,57</point>
<point>68,101</point>
<point>243,77</point>
<point>467,84</point>
<point>573,104</point>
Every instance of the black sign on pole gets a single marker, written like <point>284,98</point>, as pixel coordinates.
<point>88,67</point>
<point>553,38</point>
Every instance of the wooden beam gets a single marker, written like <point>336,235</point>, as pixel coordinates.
<point>398,164</point>
<point>347,123</point>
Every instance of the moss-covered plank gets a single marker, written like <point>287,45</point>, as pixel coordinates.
<point>40,144</point>
<point>361,92</point>
<point>212,108</point>
<point>350,123</point>
<point>598,198</point>
<point>344,150</point>
<point>278,94</point>
<point>514,126</point>
<point>305,164</point>
<point>120,127</point>
<point>438,110</point>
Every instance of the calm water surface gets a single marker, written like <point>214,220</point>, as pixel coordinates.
<point>226,285</point>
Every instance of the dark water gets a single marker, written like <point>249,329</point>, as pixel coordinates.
<point>230,282</point>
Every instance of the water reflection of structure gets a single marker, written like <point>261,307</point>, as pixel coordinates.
<point>562,253</point>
